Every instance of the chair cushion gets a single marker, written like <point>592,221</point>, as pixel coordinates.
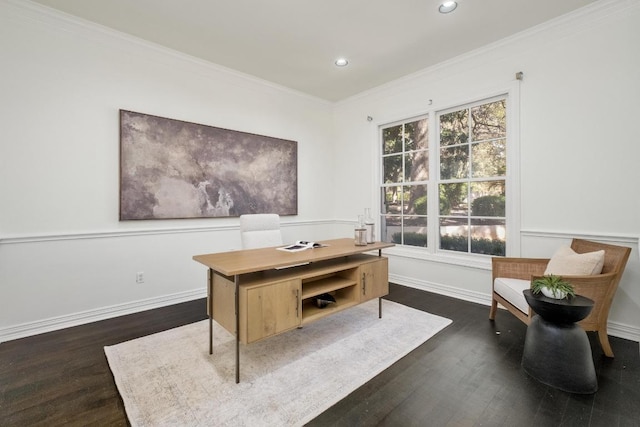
<point>570,263</point>
<point>511,290</point>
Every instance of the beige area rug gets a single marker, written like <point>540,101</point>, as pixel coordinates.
<point>169,378</point>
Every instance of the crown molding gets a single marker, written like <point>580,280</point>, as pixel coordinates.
<point>88,30</point>
<point>572,23</point>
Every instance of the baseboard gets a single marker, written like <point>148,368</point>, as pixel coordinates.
<point>67,321</point>
<point>436,288</point>
<point>618,330</point>
<point>55,323</point>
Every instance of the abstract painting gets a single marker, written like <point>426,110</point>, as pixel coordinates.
<point>175,169</point>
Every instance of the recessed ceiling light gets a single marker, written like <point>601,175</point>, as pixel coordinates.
<point>448,6</point>
<point>341,62</point>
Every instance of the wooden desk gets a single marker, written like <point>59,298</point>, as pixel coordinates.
<point>273,291</point>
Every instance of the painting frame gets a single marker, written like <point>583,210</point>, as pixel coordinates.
<point>174,169</point>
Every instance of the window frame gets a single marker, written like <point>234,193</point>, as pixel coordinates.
<point>470,179</point>
<point>512,179</point>
<point>403,183</point>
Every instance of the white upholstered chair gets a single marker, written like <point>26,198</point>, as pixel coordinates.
<point>513,275</point>
<point>260,231</point>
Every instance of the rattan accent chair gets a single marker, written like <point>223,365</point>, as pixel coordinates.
<point>601,288</point>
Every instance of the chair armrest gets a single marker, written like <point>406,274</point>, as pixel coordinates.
<point>597,287</point>
<point>518,268</point>
<point>600,288</point>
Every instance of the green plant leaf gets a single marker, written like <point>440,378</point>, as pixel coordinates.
<point>554,284</point>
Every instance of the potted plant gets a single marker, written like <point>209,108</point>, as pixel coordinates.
<point>553,287</point>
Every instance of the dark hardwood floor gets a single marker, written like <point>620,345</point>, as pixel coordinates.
<point>467,375</point>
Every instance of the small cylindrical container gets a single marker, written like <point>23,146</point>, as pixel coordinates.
<point>360,235</point>
<point>369,225</point>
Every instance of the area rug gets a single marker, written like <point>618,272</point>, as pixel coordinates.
<point>169,378</point>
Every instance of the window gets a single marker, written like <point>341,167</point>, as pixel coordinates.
<point>405,160</point>
<point>465,198</point>
<point>471,184</point>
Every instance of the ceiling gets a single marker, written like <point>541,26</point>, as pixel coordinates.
<point>294,43</point>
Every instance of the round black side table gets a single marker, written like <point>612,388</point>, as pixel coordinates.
<point>556,350</point>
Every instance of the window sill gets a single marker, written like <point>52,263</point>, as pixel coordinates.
<point>482,262</point>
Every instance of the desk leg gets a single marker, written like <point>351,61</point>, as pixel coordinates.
<point>380,299</point>
<point>237,283</point>
<point>210,302</point>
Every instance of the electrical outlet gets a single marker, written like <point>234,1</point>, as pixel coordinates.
<point>140,277</point>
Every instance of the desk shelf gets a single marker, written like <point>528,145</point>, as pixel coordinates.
<point>325,285</point>
<point>311,312</point>
<point>341,284</point>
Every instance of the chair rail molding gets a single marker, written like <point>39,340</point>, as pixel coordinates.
<point>530,239</point>
<point>587,235</point>
<point>34,238</point>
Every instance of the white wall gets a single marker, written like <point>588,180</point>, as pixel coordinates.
<point>64,256</point>
<point>578,143</point>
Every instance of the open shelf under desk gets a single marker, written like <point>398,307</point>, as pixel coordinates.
<point>311,312</point>
<point>328,284</point>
